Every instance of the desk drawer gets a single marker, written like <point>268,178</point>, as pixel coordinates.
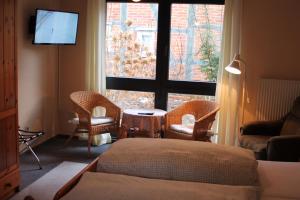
<point>8,183</point>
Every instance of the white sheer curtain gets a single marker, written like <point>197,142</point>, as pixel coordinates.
<point>228,85</point>
<point>95,55</point>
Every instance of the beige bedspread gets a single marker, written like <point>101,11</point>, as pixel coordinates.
<point>279,180</point>
<point>104,186</point>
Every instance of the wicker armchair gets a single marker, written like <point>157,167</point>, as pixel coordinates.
<point>204,113</point>
<point>84,102</point>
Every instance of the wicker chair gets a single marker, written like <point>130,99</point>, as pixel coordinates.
<point>84,102</point>
<point>204,113</point>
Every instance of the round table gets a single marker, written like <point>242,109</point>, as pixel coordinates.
<point>142,123</point>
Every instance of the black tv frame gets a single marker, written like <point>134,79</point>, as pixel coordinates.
<point>33,23</point>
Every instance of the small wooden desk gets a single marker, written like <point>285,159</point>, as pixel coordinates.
<point>142,123</point>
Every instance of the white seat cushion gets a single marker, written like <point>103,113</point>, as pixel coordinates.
<point>94,120</point>
<point>181,128</point>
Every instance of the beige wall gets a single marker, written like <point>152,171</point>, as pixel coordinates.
<point>270,43</point>
<point>48,74</point>
<point>37,73</point>
<point>72,66</point>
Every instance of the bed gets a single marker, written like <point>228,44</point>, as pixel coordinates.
<point>122,173</point>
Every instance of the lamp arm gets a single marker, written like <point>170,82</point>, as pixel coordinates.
<point>245,78</point>
<point>244,90</point>
<point>243,96</point>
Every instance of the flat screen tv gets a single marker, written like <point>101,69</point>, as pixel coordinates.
<point>55,27</point>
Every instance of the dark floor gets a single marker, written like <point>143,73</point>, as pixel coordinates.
<point>52,153</point>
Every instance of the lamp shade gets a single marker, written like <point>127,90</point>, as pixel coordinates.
<point>136,0</point>
<point>234,67</point>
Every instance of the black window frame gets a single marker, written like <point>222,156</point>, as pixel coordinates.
<point>161,85</point>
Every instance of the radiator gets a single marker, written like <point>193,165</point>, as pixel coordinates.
<point>275,98</point>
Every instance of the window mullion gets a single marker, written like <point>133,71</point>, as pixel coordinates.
<point>162,61</point>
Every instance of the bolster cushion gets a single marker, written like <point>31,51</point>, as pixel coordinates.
<point>180,160</point>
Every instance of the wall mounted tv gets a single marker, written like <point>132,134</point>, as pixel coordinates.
<point>55,27</point>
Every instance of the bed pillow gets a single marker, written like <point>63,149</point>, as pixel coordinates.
<point>180,160</point>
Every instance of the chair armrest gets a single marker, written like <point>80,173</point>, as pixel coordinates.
<point>284,148</point>
<point>203,125</point>
<point>112,110</point>
<point>83,114</point>
<point>269,128</point>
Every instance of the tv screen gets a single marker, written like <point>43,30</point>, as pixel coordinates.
<point>55,27</point>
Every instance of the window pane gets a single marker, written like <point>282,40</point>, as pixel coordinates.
<point>175,100</point>
<point>196,31</point>
<point>131,35</point>
<point>131,99</point>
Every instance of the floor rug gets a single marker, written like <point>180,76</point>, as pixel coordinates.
<point>46,187</point>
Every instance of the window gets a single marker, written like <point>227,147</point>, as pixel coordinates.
<point>132,99</point>
<point>174,100</point>
<point>131,40</point>
<point>195,42</point>
<point>162,53</point>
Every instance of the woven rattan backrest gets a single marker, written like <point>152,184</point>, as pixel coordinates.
<point>89,100</point>
<point>203,107</point>
<point>85,99</point>
<point>198,108</point>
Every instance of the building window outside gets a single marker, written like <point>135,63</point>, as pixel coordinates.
<point>131,40</point>
<point>196,31</point>
<point>137,65</point>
